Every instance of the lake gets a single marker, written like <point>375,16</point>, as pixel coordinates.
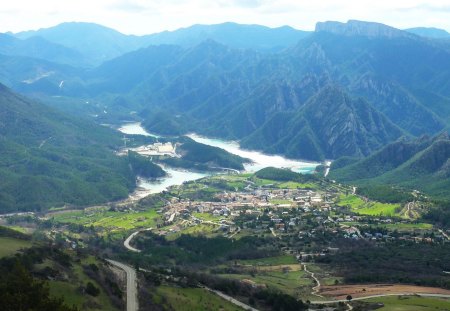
<point>177,177</point>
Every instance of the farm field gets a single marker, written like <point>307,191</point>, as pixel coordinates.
<point>363,290</point>
<point>411,303</point>
<point>371,208</point>
<point>112,221</point>
<point>193,299</point>
<point>10,246</point>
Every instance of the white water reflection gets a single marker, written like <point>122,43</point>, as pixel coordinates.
<point>260,160</point>
<point>135,129</point>
<point>177,177</point>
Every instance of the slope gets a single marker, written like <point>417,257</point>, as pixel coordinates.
<point>421,164</point>
<point>330,125</point>
<point>49,159</point>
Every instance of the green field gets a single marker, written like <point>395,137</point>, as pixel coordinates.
<point>271,261</point>
<point>10,246</point>
<point>73,296</point>
<point>202,229</point>
<point>207,216</point>
<point>112,221</point>
<point>194,299</point>
<point>406,303</point>
<point>371,208</point>
<point>407,226</point>
<point>291,282</point>
<point>296,185</point>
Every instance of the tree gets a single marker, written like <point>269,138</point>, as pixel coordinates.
<point>21,292</point>
<point>349,297</point>
<point>92,290</point>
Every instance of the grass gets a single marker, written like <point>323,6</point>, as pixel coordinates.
<point>73,296</point>
<point>19,229</point>
<point>407,226</point>
<point>10,246</point>
<point>371,208</point>
<point>111,221</point>
<point>296,185</point>
<point>194,299</point>
<point>207,216</point>
<point>405,303</point>
<point>202,229</point>
<point>290,282</point>
<point>271,261</point>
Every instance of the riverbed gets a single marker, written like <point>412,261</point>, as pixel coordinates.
<point>177,177</point>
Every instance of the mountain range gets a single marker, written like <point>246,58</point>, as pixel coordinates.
<point>346,89</point>
<point>422,163</point>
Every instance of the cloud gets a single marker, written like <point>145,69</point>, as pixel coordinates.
<point>148,16</point>
<point>128,6</point>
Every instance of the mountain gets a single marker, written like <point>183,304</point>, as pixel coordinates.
<point>50,159</point>
<point>429,32</point>
<point>98,43</point>
<point>233,35</point>
<point>421,164</point>
<point>329,125</point>
<point>361,28</point>
<point>394,83</point>
<point>37,47</point>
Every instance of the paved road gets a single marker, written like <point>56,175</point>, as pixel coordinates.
<point>128,240</point>
<point>132,301</point>
<point>231,299</point>
<point>382,295</point>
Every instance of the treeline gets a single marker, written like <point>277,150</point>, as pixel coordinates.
<point>439,214</point>
<point>195,152</point>
<point>7,232</point>
<point>279,174</point>
<point>398,262</point>
<point>19,290</point>
<point>188,249</point>
<point>385,193</point>
<point>143,166</point>
<point>264,298</point>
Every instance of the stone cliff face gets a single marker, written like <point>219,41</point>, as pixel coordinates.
<point>359,28</point>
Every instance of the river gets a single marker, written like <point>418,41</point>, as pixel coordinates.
<point>177,177</point>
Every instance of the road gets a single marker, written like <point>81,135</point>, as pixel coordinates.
<point>231,299</point>
<point>132,300</point>
<point>444,234</point>
<point>126,243</point>
<point>315,289</point>
<point>382,295</point>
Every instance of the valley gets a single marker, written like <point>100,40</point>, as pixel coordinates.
<point>225,167</point>
<point>272,230</point>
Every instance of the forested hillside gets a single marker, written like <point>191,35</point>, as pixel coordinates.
<point>49,159</point>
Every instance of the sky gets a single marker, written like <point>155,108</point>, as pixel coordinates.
<point>150,16</point>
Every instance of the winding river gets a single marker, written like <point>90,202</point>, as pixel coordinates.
<point>177,177</point>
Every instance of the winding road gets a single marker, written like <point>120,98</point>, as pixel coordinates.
<point>132,300</point>
<point>315,289</point>
<point>126,243</point>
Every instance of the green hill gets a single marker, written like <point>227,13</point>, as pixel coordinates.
<point>49,159</point>
<point>421,164</point>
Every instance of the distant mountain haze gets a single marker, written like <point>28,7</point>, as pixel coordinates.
<point>269,88</point>
<point>98,43</point>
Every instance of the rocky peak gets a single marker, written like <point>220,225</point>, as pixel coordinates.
<point>360,28</point>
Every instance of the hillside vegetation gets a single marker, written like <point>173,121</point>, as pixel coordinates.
<point>421,164</point>
<point>49,159</point>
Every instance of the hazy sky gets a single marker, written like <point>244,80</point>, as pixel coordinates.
<point>149,16</point>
